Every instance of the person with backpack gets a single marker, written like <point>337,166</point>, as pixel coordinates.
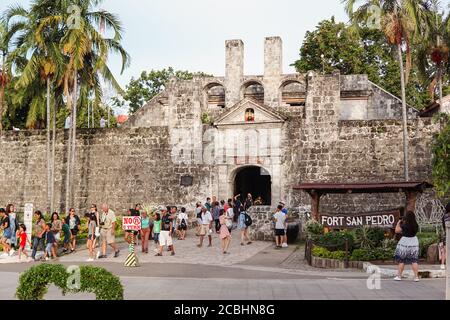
<point>182,221</point>
<point>165,236</point>
<point>244,223</point>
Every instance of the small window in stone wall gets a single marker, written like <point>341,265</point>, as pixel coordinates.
<point>187,181</point>
<point>249,115</point>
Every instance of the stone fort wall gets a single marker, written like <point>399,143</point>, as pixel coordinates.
<point>125,166</point>
<point>119,166</point>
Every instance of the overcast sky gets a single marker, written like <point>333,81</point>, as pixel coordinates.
<point>191,34</point>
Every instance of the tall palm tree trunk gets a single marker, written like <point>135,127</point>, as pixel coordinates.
<point>2,98</point>
<point>439,71</point>
<point>69,151</point>
<point>52,186</point>
<point>404,113</point>
<point>48,148</point>
<point>74,137</point>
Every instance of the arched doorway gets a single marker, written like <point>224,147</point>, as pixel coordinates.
<point>254,180</point>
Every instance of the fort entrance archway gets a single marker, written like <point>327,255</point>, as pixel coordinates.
<point>255,180</point>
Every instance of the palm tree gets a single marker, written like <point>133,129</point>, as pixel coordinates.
<point>42,68</point>
<point>433,50</point>
<point>4,74</point>
<point>400,20</point>
<point>86,54</point>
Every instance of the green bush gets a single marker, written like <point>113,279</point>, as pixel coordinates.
<point>34,282</point>
<point>372,254</point>
<point>335,240</point>
<point>313,229</point>
<point>338,255</point>
<point>369,237</point>
<point>320,252</point>
<point>425,243</point>
<point>389,244</point>
<point>325,253</point>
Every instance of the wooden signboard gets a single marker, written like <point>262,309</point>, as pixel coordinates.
<point>383,219</point>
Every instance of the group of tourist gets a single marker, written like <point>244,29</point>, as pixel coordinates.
<point>47,235</point>
<point>162,226</point>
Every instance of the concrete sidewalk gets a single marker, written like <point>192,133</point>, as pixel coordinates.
<point>147,288</point>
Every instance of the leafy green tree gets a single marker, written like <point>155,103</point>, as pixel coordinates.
<point>149,84</point>
<point>400,22</point>
<point>433,51</point>
<point>365,52</point>
<point>58,48</point>
<point>441,158</point>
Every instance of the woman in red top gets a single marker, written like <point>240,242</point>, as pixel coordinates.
<point>22,236</point>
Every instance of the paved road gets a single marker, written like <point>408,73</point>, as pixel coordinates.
<point>158,288</point>
<point>252,272</point>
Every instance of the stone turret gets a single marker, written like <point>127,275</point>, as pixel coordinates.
<point>234,70</point>
<point>273,69</point>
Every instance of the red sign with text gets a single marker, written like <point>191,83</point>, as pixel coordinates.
<point>131,223</point>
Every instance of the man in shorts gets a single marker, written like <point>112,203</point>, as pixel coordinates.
<point>206,230</point>
<point>280,224</point>
<point>107,231</point>
<point>165,235</point>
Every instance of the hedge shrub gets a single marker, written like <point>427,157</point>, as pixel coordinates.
<point>335,240</point>
<point>325,253</point>
<point>372,254</point>
<point>33,284</point>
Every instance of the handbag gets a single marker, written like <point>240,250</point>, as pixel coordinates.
<point>229,223</point>
<point>97,232</point>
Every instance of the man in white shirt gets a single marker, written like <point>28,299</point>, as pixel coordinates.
<point>280,224</point>
<point>206,227</point>
<point>68,123</point>
<point>102,123</point>
<point>182,221</point>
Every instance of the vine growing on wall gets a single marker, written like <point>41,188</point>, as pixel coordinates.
<point>441,157</point>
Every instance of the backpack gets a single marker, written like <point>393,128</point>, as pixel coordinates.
<point>183,223</point>
<point>247,220</point>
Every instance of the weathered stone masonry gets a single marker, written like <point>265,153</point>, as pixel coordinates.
<point>306,128</point>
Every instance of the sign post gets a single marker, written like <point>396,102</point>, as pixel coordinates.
<point>131,223</point>
<point>28,222</point>
<point>384,219</point>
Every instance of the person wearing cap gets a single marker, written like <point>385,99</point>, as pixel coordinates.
<point>108,231</point>
<point>165,236</point>
<point>442,244</point>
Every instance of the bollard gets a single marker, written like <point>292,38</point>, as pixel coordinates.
<point>447,257</point>
<point>131,260</point>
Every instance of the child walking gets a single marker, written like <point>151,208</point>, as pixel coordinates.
<point>23,239</point>
<point>50,240</point>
